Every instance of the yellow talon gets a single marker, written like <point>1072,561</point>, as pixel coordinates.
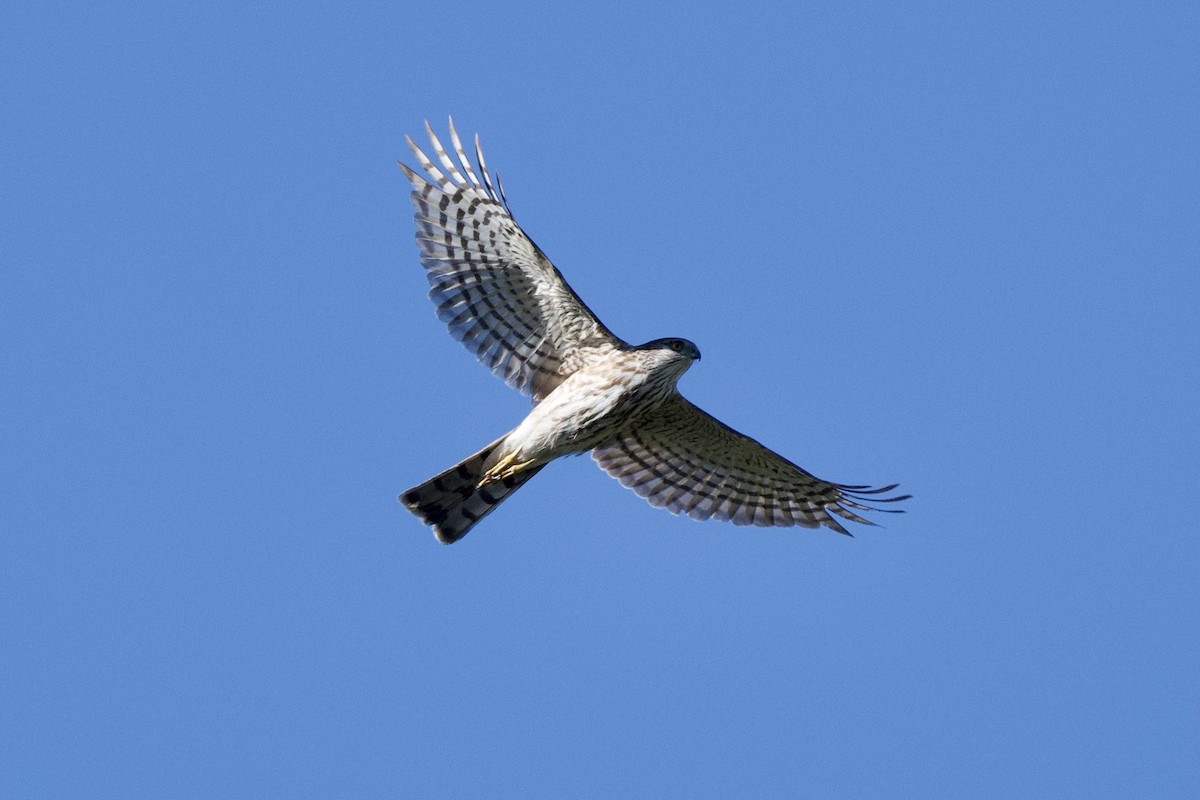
<point>505,468</point>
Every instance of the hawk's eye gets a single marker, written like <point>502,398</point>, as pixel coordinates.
<point>676,345</point>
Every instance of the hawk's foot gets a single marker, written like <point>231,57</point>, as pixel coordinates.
<point>505,468</point>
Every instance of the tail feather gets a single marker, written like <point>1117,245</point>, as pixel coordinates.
<point>453,501</point>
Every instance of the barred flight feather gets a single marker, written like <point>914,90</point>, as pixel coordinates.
<point>495,290</point>
<point>682,459</point>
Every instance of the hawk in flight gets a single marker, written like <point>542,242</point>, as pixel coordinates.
<point>503,299</point>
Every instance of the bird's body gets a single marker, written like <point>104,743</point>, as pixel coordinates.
<point>507,303</point>
<point>595,403</point>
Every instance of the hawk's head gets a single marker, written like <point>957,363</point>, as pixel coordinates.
<point>674,349</point>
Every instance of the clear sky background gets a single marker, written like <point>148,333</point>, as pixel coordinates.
<point>948,244</point>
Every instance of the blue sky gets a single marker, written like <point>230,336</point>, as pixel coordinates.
<point>951,245</point>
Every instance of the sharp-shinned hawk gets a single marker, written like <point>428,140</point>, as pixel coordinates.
<point>504,300</point>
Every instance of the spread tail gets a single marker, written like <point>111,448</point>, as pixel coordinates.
<point>454,501</point>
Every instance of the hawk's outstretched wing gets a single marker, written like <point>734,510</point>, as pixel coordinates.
<point>497,292</point>
<point>680,458</point>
